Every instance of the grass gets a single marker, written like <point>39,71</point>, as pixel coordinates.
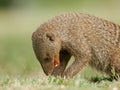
<point>16,56</point>
<point>55,83</point>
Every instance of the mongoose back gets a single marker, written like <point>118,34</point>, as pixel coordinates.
<point>91,40</point>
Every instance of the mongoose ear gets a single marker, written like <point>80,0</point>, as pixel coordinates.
<point>50,36</point>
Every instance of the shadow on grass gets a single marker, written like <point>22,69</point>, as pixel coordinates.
<point>100,79</point>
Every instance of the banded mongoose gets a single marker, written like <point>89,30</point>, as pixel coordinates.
<point>91,40</point>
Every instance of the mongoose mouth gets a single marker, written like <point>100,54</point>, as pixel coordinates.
<point>56,61</point>
<point>56,64</point>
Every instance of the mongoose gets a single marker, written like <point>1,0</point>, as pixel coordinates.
<point>91,40</point>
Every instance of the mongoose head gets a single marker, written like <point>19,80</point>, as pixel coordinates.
<point>46,47</point>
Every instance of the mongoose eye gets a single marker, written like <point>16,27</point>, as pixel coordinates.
<point>48,59</point>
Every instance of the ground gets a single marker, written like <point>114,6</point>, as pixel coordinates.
<point>46,83</point>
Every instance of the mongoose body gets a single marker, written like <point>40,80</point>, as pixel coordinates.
<point>91,40</point>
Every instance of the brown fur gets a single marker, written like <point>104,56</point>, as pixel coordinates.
<point>91,40</point>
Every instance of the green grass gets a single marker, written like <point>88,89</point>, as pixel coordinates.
<point>55,83</point>
<point>16,56</point>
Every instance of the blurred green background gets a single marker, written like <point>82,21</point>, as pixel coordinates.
<point>19,18</point>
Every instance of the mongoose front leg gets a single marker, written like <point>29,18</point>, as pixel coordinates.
<point>115,65</point>
<point>64,58</point>
<point>76,66</point>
